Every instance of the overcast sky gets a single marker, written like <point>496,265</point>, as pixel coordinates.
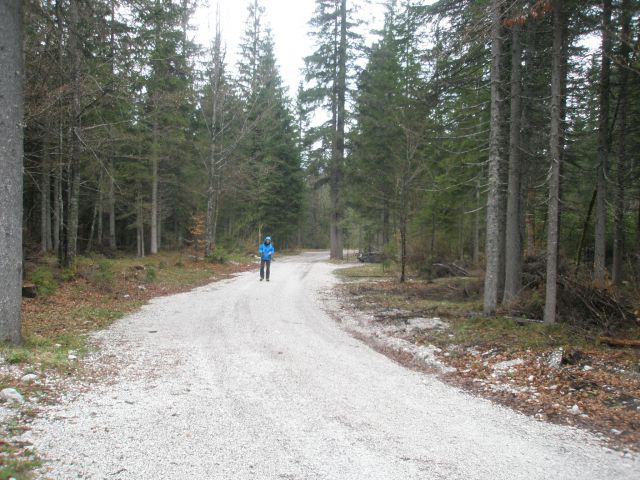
<point>288,20</point>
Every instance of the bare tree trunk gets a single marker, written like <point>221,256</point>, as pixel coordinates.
<point>110,167</point>
<point>492,257</point>
<point>92,229</point>
<point>100,229</point>
<point>513,264</point>
<point>337,171</point>
<point>153,245</point>
<point>555,153</point>
<point>213,173</point>
<point>45,200</point>
<point>57,206</point>
<point>112,208</point>
<point>621,167</point>
<point>140,227</point>
<point>476,226</point>
<point>403,248</point>
<point>585,228</point>
<point>159,226</point>
<point>531,220</point>
<point>11,149</point>
<point>386,227</point>
<point>96,220</point>
<point>74,164</point>
<point>599,259</point>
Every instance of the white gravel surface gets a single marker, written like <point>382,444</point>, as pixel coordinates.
<point>250,380</point>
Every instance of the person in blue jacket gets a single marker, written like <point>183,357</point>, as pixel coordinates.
<point>266,254</point>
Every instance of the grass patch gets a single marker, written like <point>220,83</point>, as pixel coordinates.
<point>507,333</point>
<point>451,297</point>
<point>366,270</point>
<point>42,277</point>
<point>40,353</point>
<point>16,467</point>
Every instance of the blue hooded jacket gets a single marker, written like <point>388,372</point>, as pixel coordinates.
<point>267,251</point>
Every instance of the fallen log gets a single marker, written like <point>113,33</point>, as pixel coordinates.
<point>453,269</point>
<point>620,342</point>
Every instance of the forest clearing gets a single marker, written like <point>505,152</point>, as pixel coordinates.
<point>480,159</point>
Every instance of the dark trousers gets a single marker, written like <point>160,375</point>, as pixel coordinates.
<point>262,264</point>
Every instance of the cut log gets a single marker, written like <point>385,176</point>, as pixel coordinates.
<point>29,290</point>
<point>620,342</point>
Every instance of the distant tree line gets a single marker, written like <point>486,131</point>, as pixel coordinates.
<point>133,131</point>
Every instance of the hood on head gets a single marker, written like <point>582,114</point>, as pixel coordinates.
<point>267,239</point>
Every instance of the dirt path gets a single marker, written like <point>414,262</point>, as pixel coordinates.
<point>243,379</point>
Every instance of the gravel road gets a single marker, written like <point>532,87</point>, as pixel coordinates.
<point>242,379</point>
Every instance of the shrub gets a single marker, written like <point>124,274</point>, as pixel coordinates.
<point>43,279</point>
<point>150,274</point>
<point>219,255</point>
<point>104,276</point>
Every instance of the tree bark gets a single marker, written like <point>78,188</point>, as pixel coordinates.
<point>110,168</point>
<point>153,245</point>
<point>57,207</point>
<point>599,260</point>
<point>617,272</point>
<point>337,170</point>
<point>74,164</point>
<point>213,173</point>
<point>100,213</point>
<point>555,154</point>
<point>513,263</point>
<point>476,226</point>
<point>403,248</point>
<point>45,200</point>
<point>492,257</point>
<point>11,162</point>
<point>140,227</point>
<point>112,208</point>
<point>585,228</point>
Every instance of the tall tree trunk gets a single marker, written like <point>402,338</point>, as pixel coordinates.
<point>11,149</point>
<point>386,226</point>
<point>57,205</point>
<point>74,164</point>
<point>403,247</point>
<point>513,264</point>
<point>112,208</point>
<point>100,213</point>
<point>585,228</point>
<point>45,200</point>
<point>337,171</point>
<point>621,167</point>
<point>494,213</point>
<point>110,166</point>
<point>555,154</point>
<point>476,226</point>
<point>140,226</point>
<point>92,229</point>
<point>213,173</point>
<point>599,259</point>
<point>530,219</point>
<point>153,245</point>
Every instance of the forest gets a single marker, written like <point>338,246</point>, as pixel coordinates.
<point>499,135</point>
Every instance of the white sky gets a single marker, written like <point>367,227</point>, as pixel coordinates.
<point>288,20</point>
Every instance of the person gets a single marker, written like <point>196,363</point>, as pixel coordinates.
<point>266,254</point>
